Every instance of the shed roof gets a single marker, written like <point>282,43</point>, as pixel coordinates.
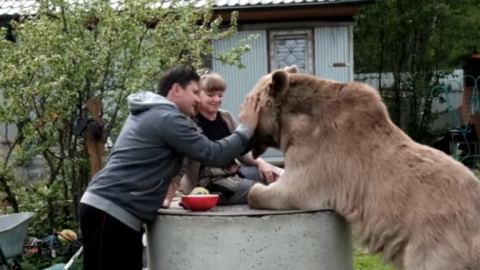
<point>12,7</point>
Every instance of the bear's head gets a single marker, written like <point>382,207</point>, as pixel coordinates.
<point>271,90</point>
<point>303,110</point>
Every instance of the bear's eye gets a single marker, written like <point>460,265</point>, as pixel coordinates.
<point>268,103</point>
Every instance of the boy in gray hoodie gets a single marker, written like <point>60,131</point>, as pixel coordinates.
<point>147,155</point>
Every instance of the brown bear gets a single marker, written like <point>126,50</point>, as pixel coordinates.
<point>415,204</point>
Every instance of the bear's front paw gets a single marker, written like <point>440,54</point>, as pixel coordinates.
<point>254,195</point>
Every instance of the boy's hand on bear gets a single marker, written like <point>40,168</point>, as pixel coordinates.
<point>249,112</point>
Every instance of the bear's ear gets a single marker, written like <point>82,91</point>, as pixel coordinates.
<point>279,82</point>
<point>291,69</point>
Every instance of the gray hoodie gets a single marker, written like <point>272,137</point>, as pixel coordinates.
<point>149,153</point>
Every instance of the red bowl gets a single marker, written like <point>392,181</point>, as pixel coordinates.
<point>200,202</point>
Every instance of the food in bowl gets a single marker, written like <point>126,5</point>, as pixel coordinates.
<point>202,202</point>
<point>199,191</point>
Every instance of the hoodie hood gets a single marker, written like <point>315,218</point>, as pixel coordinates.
<point>146,100</point>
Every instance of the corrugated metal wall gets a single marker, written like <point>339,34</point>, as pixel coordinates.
<point>332,45</point>
<point>241,81</point>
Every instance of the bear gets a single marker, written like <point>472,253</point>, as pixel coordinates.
<point>417,206</point>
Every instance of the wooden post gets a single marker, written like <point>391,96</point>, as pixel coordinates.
<point>95,137</point>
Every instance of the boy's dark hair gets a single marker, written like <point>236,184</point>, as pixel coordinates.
<point>181,74</point>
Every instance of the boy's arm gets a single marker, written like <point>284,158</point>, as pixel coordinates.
<point>246,155</point>
<point>178,132</point>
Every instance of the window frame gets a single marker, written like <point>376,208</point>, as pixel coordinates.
<point>308,32</point>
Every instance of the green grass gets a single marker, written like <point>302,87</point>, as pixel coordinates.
<point>365,261</point>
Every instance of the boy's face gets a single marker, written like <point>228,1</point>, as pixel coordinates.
<point>188,97</point>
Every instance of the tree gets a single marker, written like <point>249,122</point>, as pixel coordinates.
<point>418,41</point>
<point>69,52</point>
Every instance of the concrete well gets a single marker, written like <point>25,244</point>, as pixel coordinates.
<point>239,238</point>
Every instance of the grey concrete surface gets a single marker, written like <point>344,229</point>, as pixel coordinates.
<point>238,238</point>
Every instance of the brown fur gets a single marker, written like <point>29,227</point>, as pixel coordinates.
<point>416,205</point>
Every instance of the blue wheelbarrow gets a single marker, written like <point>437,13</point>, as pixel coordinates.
<point>13,231</point>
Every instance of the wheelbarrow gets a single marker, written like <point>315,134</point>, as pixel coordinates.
<point>13,231</point>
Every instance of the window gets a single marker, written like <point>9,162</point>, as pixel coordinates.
<point>293,47</point>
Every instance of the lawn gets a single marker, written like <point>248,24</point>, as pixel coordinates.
<point>365,261</point>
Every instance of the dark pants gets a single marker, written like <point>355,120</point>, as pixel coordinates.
<point>108,244</point>
<point>250,175</point>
